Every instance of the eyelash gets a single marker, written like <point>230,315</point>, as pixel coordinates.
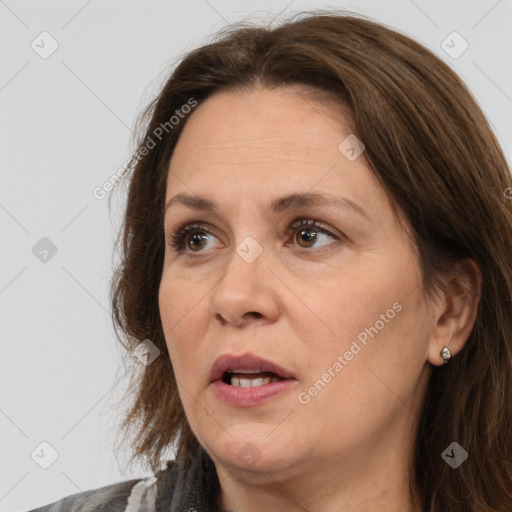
<point>177,239</point>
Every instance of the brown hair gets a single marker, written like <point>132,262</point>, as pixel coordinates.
<point>431,148</point>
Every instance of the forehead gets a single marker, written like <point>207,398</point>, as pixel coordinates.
<point>262,127</point>
<point>279,123</point>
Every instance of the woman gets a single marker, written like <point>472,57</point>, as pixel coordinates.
<point>316,268</point>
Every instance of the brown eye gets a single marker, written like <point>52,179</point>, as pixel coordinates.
<point>307,233</point>
<point>306,237</point>
<point>190,238</point>
<point>196,240</point>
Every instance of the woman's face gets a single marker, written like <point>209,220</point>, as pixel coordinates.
<point>337,304</point>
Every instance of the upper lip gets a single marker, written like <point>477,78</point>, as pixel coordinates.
<point>229,362</point>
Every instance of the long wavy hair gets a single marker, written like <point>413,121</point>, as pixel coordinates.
<point>432,150</point>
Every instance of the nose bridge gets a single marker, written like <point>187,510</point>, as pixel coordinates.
<point>245,287</point>
<point>245,267</point>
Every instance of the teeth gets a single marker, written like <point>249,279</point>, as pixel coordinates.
<point>245,382</point>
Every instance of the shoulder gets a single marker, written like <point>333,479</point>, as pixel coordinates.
<point>127,496</point>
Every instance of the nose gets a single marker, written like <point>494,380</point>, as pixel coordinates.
<point>246,293</point>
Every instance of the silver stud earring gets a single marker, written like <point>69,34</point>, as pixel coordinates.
<point>446,354</point>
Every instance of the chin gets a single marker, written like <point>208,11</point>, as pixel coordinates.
<point>250,448</point>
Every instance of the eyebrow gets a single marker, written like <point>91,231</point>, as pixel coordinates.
<point>279,205</point>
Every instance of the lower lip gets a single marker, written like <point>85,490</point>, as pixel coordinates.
<point>249,397</point>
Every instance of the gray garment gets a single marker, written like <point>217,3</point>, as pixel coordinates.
<point>180,487</point>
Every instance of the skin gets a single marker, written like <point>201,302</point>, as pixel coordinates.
<point>300,305</point>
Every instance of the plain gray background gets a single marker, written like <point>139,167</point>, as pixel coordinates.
<point>66,123</point>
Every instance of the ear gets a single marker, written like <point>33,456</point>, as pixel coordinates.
<point>456,310</point>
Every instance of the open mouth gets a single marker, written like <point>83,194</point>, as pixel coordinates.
<point>249,379</point>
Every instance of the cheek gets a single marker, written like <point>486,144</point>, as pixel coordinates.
<point>178,299</point>
<point>377,317</point>
<point>377,377</point>
<point>183,312</point>
<point>356,301</point>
